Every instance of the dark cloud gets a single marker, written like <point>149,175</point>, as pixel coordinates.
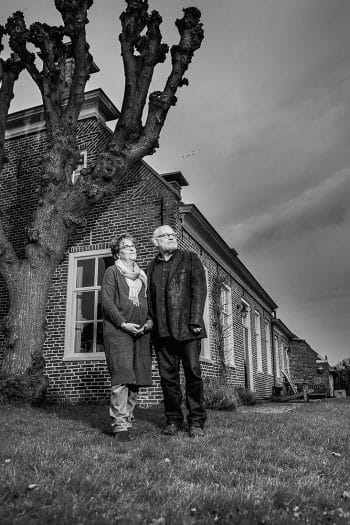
<point>317,208</point>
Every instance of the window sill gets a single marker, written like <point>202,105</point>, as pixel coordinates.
<point>231,365</point>
<point>206,360</point>
<point>98,356</point>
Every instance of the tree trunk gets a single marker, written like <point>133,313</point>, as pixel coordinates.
<point>25,322</point>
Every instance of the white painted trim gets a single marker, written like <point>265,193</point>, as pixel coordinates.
<point>229,340</point>
<point>206,360</point>
<point>258,342</point>
<point>205,354</point>
<point>69,355</point>
<point>75,174</point>
<point>277,359</point>
<point>98,356</point>
<point>268,346</point>
<point>247,323</point>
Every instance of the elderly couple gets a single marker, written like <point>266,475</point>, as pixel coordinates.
<point>168,303</point>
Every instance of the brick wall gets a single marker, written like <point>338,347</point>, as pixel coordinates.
<point>143,202</point>
<point>303,365</point>
<point>263,382</point>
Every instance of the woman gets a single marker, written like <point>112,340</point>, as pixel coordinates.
<point>125,333</point>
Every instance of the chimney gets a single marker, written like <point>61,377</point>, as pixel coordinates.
<point>69,70</point>
<point>176,179</point>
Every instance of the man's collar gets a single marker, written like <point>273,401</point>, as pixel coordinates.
<point>160,258</point>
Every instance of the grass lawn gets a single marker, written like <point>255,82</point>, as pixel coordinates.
<point>60,465</point>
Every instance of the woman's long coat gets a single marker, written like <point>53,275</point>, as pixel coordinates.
<point>128,358</point>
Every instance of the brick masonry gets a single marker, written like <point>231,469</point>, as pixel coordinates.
<point>144,201</point>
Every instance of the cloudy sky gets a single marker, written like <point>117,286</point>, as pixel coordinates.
<point>262,136</point>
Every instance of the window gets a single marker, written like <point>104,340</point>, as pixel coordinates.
<point>281,355</point>
<point>82,163</point>
<point>277,359</point>
<point>227,325</point>
<point>257,325</point>
<point>84,336</point>
<point>286,350</point>
<point>268,346</point>
<point>205,347</point>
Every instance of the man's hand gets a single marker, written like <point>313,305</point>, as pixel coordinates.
<point>130,328</point>
<point>195,329</point>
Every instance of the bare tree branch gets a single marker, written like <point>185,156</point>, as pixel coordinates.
<point>62,80</point>
<point>191,36</point>
<point>17,30</point>
<point>9,72</point>
<point>141,53</point>
<point>74,15</point>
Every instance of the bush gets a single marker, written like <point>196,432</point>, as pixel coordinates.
<point>29,387</point>
<point>246,396</point>
<point>219,395</point>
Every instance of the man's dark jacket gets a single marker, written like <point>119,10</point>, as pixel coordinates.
<point>186,292</point>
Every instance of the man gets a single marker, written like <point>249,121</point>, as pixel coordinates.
<point>176,297</point>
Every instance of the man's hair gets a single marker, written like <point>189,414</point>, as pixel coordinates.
<point>116,241</point>
<point>156,231</point>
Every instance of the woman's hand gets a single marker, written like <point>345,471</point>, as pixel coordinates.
<point>147,327</point>
<point>130,328</point>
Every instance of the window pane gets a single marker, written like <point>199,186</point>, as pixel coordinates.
<point>103,263</point>
<point>85,306</point>
<point>85,273</point>
<point>99,338</point>
<point>83,337</point>
<point>99,306</point>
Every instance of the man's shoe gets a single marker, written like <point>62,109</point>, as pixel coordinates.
<point>195,432</point>
<point>122,435</point>
<point>171,429</point>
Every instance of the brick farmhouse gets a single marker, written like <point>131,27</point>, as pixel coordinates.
<point>256,348</point>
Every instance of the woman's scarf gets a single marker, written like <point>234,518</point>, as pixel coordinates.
<point>134,279</point>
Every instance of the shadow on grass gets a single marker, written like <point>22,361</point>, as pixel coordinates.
<point>97,416</point>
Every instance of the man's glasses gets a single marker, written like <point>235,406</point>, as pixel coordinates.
<point>128,247</point>
<point>166,236</point>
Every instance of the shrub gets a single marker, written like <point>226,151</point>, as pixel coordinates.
<point>246,396</point>
<point>29,387</point>
<point>219,395</point>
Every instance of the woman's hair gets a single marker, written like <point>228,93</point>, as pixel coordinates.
<point>115,242</point>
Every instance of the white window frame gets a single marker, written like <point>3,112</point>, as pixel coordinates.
<point>246,322</point>
<point>205,354</point>
<point>227,325</point>
<point>69,354</point>
<point>281,355</point>
<point>81,165</point>
<point>277,359</point>
<point>287,357</point>
<point>257,329</point>
<point>268,346</point>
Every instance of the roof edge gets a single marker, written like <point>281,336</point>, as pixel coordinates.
<point>196,223</point>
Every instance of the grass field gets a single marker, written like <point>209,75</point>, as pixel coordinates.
<point>60,465</point>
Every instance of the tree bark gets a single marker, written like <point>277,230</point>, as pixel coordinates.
<point>25,323</point>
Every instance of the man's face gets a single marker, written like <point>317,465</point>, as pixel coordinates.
<point>165,240</point>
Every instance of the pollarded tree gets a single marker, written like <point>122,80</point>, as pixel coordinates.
<point>62,206</point>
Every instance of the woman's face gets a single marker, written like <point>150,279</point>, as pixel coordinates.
<point>127,250</point>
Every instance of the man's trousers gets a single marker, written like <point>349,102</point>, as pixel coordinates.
<point>170,353</point>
